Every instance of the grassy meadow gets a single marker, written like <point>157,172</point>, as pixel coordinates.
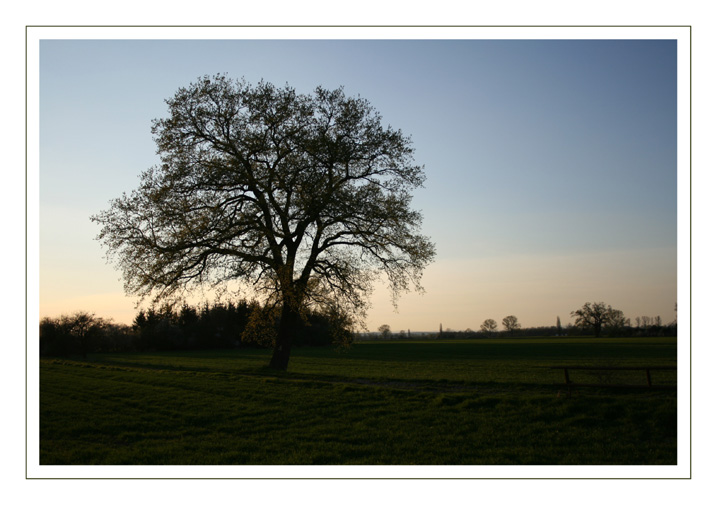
<point>478,402</point>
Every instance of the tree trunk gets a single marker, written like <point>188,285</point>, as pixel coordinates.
<point>287,326</point>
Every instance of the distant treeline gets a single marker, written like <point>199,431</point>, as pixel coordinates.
<point>219,326</point>
<point>647,330</point>
<point>653,330</point>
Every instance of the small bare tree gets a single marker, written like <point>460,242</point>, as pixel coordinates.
<point>82,327</point>
<point>489,326</point>
<point>510,323</point>
<point>385,331</point>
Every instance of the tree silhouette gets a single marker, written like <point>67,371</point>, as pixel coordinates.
<point>597,315</point>
<point>305,197</point>
<point>510,323</point>
<point>385,331</point>
<point>81,327</point>
<point>488,326</point>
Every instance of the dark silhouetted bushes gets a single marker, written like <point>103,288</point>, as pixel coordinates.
<point>82,332</point>
<point>219,326</point>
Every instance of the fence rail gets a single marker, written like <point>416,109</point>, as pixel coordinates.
<point>646,369</point>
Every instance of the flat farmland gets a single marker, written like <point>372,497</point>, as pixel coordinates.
<point>447,402</point>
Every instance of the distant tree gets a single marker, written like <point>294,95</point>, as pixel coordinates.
<point>306,197</point>
<point>81,333</point>
<point>510,323</point>
<point>615,322</point>
<point>82,328</point>
<point>385,331</point>
<point>647,321</point>
<point>559,327</point>
<point>595,315</point>
<point>488,326</point>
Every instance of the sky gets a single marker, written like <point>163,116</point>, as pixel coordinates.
<point>551,164</point>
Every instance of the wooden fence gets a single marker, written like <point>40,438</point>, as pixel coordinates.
<point>608,384</point>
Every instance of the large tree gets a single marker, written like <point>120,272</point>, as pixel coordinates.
<point>305,197</point>
<point>596,315</point>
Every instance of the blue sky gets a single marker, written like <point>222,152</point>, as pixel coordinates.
<point>551,164</point>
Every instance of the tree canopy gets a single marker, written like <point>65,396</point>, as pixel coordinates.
<point>488,326</point>
<point>510,323</point>
<point>597,315</point>
<point>305,197</point>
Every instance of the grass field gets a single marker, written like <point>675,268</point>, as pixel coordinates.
<point>484,402</point>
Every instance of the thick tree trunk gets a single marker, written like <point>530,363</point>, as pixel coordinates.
<point>282,348</point>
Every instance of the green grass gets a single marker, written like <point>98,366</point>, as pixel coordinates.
<point>417,402</point>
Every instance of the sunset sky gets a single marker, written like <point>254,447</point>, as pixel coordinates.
<point>552,165</point>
